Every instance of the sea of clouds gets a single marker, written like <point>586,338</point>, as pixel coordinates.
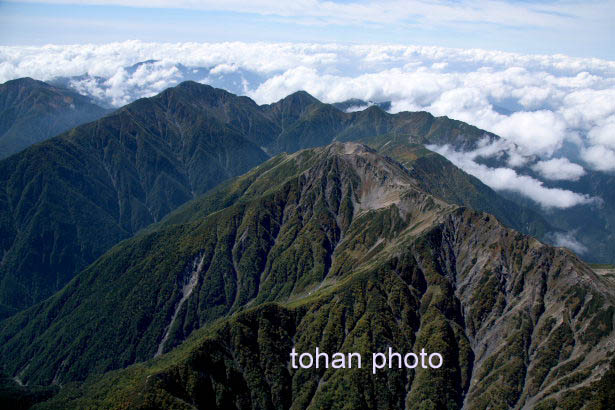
<point>556,114</point>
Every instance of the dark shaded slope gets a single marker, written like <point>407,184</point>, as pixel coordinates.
<point>357,258</point>
<point>304,122</point>
<point>32,111</point>
<point>413,127</point>
<point>14,396</point>
<point>69,199</point>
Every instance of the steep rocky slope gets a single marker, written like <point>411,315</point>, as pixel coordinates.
<point>336,247</point>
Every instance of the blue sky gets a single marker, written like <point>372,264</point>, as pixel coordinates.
<point>576,28</point>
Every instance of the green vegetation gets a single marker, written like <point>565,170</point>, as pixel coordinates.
<point>335,247</point>
<point>338,247</point>
<point>69,199</point>
<point>557,348</point>
<point>33,111</point>
<point>16,397</point>
<point>66,201</point>
<point>602,266</point>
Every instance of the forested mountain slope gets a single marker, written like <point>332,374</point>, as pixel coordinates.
<point>32,111</point>
<point>336,247</point>
<point>69,199</point>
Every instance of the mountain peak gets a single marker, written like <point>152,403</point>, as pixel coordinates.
<point>300,98</point>
<point>380,181</point>
<point>193,86</point>
<point>350,148</point>
<point>304,95</point>
<point>32,111</point>
<point>26,82</point>
<point>341,239</point>
<point>135,66</point>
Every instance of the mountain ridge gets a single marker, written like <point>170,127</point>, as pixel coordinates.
<point>327,246</point>
<point>131,168</point>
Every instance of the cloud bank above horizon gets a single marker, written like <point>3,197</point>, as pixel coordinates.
<point>541,105</point>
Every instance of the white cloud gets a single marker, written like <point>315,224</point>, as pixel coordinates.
<point>604,132</point>
<point>536,132</point>
<point>507,179</point>
<point>599,157</point>
<point>359,107</point>
<point>123,86</point>
<point>537,103</point>
<point>559,169</point>
<point>567,240</point>
<point>224,69</point>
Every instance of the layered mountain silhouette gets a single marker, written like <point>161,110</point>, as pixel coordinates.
<point>67,200</point>
<point>32,111</point>
<point>340,248</point>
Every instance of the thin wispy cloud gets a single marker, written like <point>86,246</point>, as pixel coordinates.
<point>507,13</point>
<point>507,179</point>
<point>568,240</point>
<point>574,27</point>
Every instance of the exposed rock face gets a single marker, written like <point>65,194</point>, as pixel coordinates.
<point>355,257</point>
<point>539,320</point>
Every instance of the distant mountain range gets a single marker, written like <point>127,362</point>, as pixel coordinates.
<point>233,79</point>
<point>32,111</point>
<point>338,247</point>
<point>69,199</point>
